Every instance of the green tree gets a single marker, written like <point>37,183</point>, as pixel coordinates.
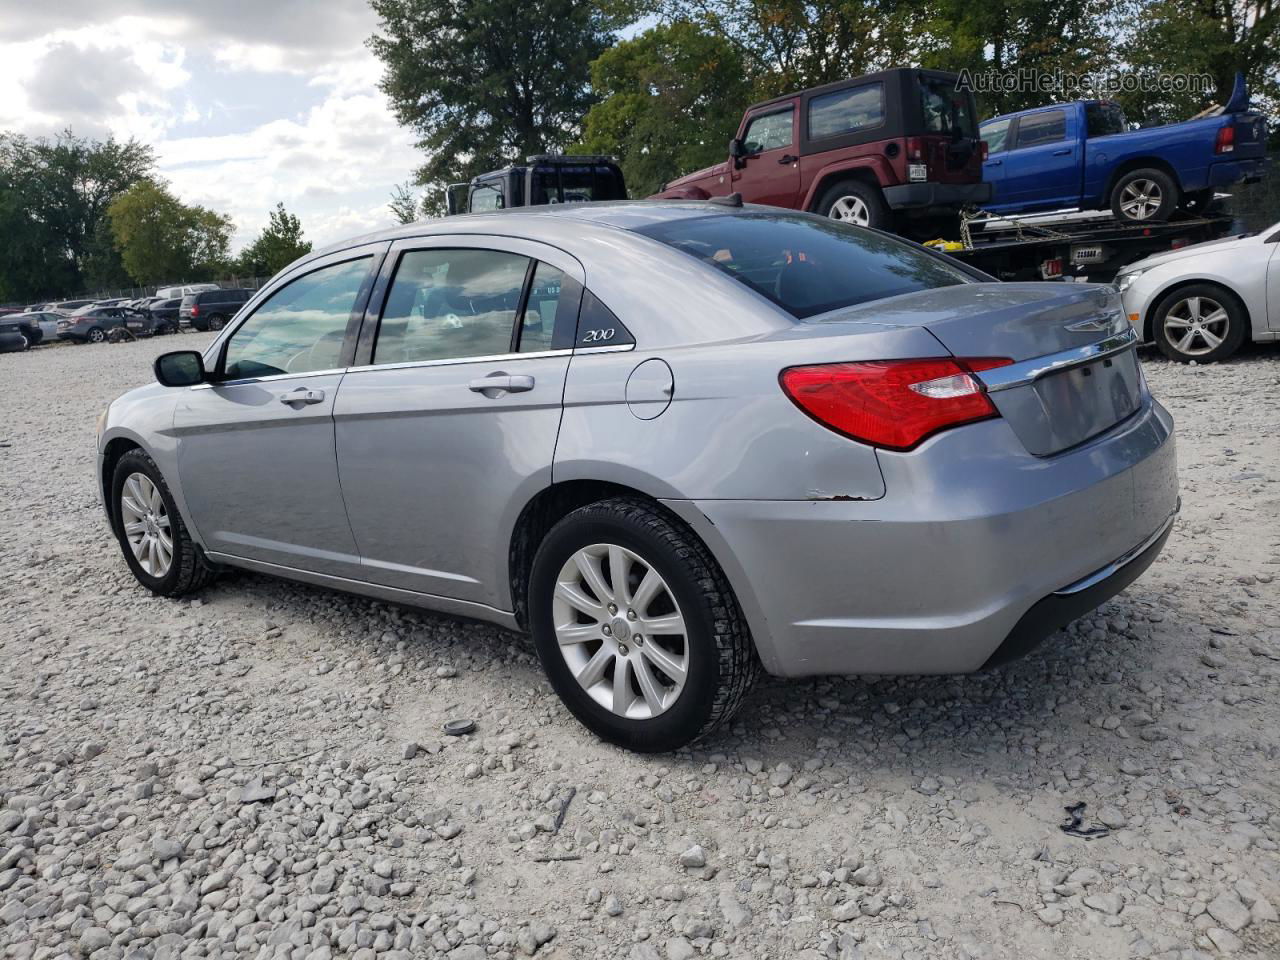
<point>102,266</point>
<point>670,100</point>
<point>55,193</point>
<point>1217,38</point>
<point>484,82</point>
<point>403,203</point>
<point>162,239</point>
<point>792,44</point>
<point>279,244</point>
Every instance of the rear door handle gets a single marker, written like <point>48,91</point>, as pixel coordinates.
<point>786,158</point>
<point>995,163</point>
<point>1062,153</point>
<point>497,383</point>
<point>302,396</point>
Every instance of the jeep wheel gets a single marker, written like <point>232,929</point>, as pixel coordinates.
<point>853,201</point>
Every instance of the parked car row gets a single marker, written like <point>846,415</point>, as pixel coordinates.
<point>202,306</point>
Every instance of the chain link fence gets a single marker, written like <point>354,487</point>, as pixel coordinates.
<point>134,293</point>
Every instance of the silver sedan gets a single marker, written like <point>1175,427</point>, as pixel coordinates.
<point>1202,302</point>
<point>678,443</point>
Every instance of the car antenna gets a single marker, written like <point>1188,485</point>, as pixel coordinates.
<point>732,200</point>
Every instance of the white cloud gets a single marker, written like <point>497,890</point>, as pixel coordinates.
<point>129,67</point>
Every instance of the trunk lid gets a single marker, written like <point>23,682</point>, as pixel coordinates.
<point>1074,373</point>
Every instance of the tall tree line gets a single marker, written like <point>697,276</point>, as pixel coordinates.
<point>78,214</point>
<point>486,82</point>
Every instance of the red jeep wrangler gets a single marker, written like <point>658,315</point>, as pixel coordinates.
<point>903,141</point>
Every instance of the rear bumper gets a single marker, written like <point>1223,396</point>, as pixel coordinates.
<point>972,536</point>
<point>921,196</point>
<point>1227,173</point>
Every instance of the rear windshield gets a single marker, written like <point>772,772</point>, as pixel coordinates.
<point>807,265</point>
<point>946,109</point>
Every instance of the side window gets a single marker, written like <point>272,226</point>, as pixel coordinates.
<point>995,135</point>
<point>538,324</point>
<point>300,327</point>
<point>598,327</point>
<point>447,304</point>
<point>772,131</point>
<point>1037,128</point>
<point>1103,119</point>
<point>487,196</point>
<point>846,111</point>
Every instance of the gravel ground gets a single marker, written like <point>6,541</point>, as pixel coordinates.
<point>261,771</point>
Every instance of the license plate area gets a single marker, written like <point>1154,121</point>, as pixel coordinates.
<point>1083,401</point>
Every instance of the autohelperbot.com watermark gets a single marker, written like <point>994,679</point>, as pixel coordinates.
<point>1099,83</point>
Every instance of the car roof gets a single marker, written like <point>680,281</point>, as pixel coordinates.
<point>607,214</point>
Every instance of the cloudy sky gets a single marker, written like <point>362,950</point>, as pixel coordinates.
<point>246,102</point>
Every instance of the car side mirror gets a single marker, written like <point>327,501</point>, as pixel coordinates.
<point>181,368</point>
<point>737,149</point>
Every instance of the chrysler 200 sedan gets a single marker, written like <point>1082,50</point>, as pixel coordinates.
<point>676,442</point>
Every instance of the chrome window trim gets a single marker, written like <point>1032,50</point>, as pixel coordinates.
<point>272,378</point>
<point>1028,371</point>
<point>617,348</point>
<point>455,361</point>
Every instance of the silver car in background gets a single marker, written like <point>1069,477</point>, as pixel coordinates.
<point>1204,301</point>
<point>675,442</point>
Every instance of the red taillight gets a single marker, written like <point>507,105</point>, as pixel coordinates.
<point>892,403</point>
<point>1226,141</point>
<point>195,309</point>
<point>915,149</point>
<point>982,149</point>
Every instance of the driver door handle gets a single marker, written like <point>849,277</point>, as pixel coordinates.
<point>491,385</point>
<point>1062,153</point>
<point>302,396</point>
<point>787,158</point>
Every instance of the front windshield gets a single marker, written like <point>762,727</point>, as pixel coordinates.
<point>805,264</point>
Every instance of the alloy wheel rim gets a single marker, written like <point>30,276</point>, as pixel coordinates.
<point>1196,325</point>
<point>620,631</point>
<point>852,209</point>
<point>146,524</point>
<point>1141,199</point>
<point>97,336</point>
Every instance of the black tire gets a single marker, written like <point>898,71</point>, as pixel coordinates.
<point>95,335</point>
<point>1146,183</point>
<point>856,191</point>
<point>189,571</point>
<point>722,661</point>
<point>217,322</point>
<point>202,326</point>
<point>36,338</point>
<point>1230,332</point>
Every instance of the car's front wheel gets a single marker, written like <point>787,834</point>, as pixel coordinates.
<point>637,628</point>
<point>1201,322</point>
<point>855,201</point>
<point>156,544</point>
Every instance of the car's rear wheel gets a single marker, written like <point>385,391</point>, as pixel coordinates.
<point>637,627</point>
<point>96,335</point>
<point>857,202</point>
<point>1144,195</point>
<point>156,545</point>
<point>217,322</point>
<point>1202,322</point>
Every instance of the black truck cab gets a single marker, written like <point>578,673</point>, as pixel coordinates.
<point>544,178</point>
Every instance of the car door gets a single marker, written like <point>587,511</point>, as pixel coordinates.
<point>1043,167</point>
<point>255,446</point>
<point>449,425</point>
<point>996,136</point>
<point>769,170</point>
<point>1273,284</point>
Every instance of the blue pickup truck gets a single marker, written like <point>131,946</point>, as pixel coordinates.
<point>1083,155</point>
